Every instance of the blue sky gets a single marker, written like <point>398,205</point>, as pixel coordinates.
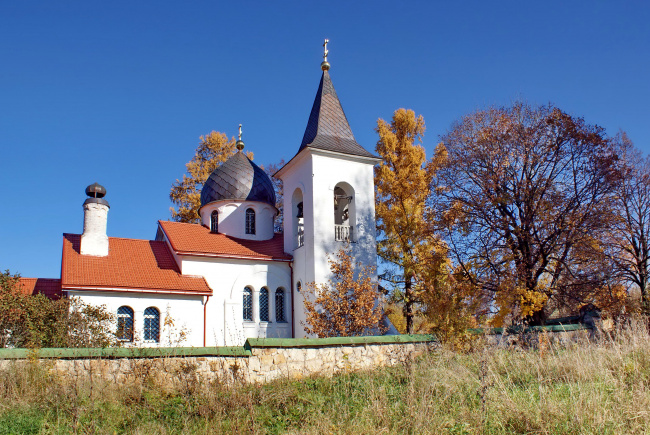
<point>119,92</point>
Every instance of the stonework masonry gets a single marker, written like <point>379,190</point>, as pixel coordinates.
<point>261,363</point>
<point>262,360</point>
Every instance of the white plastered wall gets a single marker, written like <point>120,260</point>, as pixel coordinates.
<point>227,278</point>
<point>232,218</point>
<point>185,311</point>
<point>316,174</point>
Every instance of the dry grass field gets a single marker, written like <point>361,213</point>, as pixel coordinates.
<point>589,388</point>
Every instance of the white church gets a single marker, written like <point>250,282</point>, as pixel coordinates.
<point>231,277</point>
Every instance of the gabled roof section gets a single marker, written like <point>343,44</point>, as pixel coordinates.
<point>131,265</point>
<point>195,239</point>
<point>48,287</point>
<point>328,127</point>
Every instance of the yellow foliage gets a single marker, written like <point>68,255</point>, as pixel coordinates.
<point>530,301</point>
<point>404,222</point>
<point>214,149</point>
<point>350,304</point>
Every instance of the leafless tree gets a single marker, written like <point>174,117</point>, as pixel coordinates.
<point>527,194</point>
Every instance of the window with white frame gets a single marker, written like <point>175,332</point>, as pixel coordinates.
<point>250,221</point>
<point>279,305</point>
<point>264,305</point>
<point>214,222</point>
<point>125,323</point>
<point>248,304</point>
<point>151,325</point>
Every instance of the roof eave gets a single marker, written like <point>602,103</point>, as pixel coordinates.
<point>363,159</point>
<point>299,155</point>
<point>72,287</point>
<point>232,256</point>
<point>317,151</point>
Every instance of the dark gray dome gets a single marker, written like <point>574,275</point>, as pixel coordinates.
<point>96,190</point>
<point>96,193</point>
<point>238,178</point>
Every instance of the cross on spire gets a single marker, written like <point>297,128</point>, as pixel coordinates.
<point>325,64</point>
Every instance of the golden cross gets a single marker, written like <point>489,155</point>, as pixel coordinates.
<point>325,47</point>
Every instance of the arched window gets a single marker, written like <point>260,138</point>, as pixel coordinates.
<point>248,304</point>
<point>264,305</point>
<point>279,305</point>
<point>214,222</point>
<point>344,216</point>
<point>250,221</point>
<point>152,324</point>
<point>297,218</point>
<point>125,323</point>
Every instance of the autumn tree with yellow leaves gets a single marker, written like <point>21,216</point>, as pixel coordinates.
<point>407,240</point>
<point>214,149</point>
<point>349,304</point>
<point>528,194</point>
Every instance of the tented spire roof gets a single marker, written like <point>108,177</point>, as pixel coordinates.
<point>328,128</point>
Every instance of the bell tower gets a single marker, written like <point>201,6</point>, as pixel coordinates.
<point>329,197</point>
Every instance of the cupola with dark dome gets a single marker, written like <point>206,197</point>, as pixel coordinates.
<point>238,199</point>
<point>238,178</point>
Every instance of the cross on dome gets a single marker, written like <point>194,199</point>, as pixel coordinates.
<point>325,64</point>
<point>240,143</point>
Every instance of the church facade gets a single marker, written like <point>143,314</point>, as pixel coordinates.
<point>231,277</point>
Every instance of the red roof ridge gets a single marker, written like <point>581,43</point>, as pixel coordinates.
<point>111,237</point>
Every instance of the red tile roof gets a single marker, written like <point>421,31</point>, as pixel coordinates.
<point>194,239</point>
<point>48,287</point>
<point>131,265</point>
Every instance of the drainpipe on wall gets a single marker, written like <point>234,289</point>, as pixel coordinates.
<point>205,306</point>
<point>293,331</point>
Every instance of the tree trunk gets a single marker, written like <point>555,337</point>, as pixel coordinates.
<point>408,305</point>
<point>645,309</point>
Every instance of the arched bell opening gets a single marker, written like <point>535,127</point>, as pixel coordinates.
<point>297,218</point>
<point>344,213</point>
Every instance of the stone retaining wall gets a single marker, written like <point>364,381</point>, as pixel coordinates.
<point>263,361</point>
<point>534,337</point>
<point>269,363</point>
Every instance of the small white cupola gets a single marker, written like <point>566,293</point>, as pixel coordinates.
<point>238,199</point>
<point>94,240</point>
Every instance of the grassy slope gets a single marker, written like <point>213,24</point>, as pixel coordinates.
<point>602,388</point>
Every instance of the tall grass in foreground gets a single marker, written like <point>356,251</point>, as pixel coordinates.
<point>599,388</point>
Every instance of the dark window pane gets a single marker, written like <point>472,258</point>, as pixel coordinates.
<point>250,221</point>
<point>248,304</point>
<point>264,305</point>
<point>125,323</point>
<point>152,324</point>
<point>214,222</point>
<point>279,305</point>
